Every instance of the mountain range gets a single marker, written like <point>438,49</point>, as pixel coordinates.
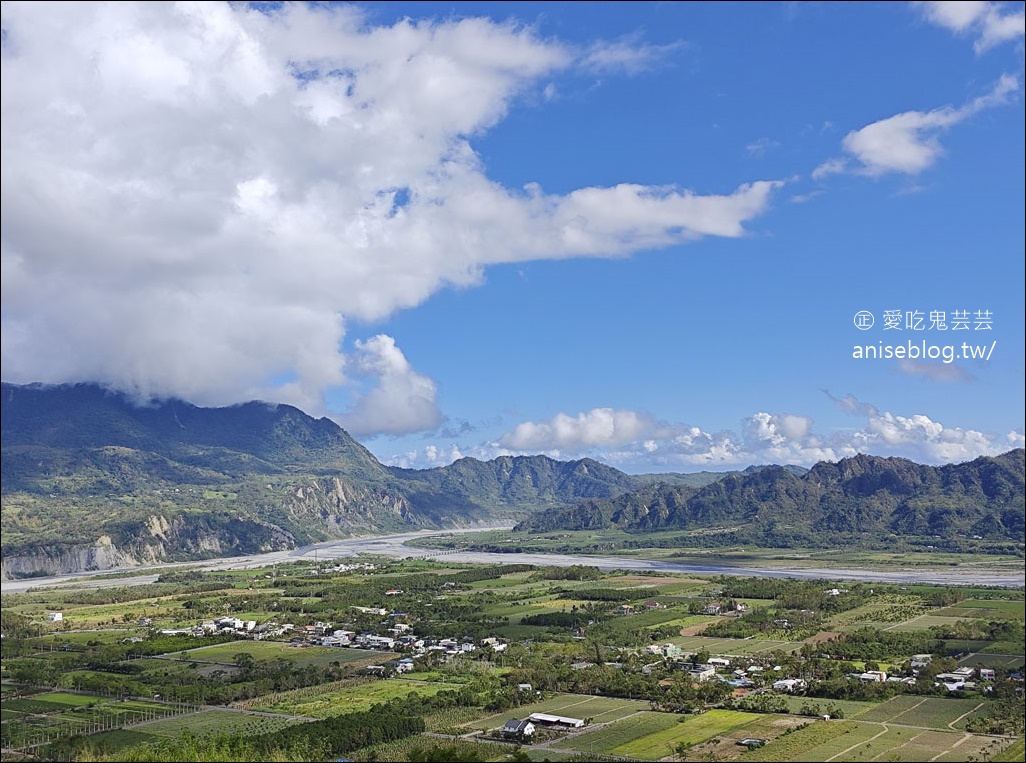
<point>983,499</point>
<point>91,480</point>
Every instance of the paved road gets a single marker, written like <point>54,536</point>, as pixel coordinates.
<point>394,546</point>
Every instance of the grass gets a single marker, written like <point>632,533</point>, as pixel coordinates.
<point>1014,753</point>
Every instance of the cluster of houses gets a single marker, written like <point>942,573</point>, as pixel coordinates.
<point>226,625</point>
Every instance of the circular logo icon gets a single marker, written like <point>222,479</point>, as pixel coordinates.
<point>863,320</point>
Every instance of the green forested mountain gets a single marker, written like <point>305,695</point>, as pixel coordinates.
<point>91,480</point>
<point>862,494</point>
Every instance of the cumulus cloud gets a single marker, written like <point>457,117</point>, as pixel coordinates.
<point>918,436</point>
<point>199,198</point>
<point>990,23</point>
<point>427,457</point>
<point>401,400</point>
<point>599,427</point>
<point>908,143</point>
<point>921,437</point>
<point>633,441</point>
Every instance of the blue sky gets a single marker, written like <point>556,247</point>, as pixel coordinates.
<point>638,232</point>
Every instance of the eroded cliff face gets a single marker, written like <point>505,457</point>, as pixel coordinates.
<point>329,507</point>
<point>342,507</point>
<point>161,539</point>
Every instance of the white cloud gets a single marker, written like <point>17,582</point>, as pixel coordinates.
<point>761,146</point>
<point>599,427</point>
<point>991,23</point>
<point>627,54</point>
<point>402,401</point>
<point>426,458</point>
<point>921,438</point>
<point>198,198</point>
<point>908,142</point>
<point>635,442</point>
<point>829,167</point>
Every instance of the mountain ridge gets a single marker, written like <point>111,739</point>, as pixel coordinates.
<point>983,498</point>
<point>87,474</point>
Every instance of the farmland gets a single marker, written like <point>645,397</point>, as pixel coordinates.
<point>134,668</point>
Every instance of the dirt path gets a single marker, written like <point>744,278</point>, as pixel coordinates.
<point>860,744</point>
<point>952,724</point>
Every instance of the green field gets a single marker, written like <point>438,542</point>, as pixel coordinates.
<point>858,741</point>
<point>606,739</point>
<point>986,609</point>
<point>1014,753</point>
<point>931,712</point>
<point>1004,647</point>
<point>216,722</point>
<point>274,650</point>
<point>922,622</point>
<point>324,704</point>
<point>693,730</point>
<point>60,700</point>
<point>734,646</point>
<point>996,661</point>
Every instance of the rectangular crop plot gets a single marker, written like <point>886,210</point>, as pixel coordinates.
<point>119,739</point>
<point>217,722</point>
<point>315,703</point>
<point>734,645</point>
<point>692,730</point>
<point>848,707</point>
<point>819,741</point>
<point>996,661</point>
<point>607,738</point>
<point>986,609</point>
<point>931,712</point>
<point>878,742</point>
<point>923,622</point>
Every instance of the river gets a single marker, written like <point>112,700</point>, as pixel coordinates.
<point>394,546</point>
